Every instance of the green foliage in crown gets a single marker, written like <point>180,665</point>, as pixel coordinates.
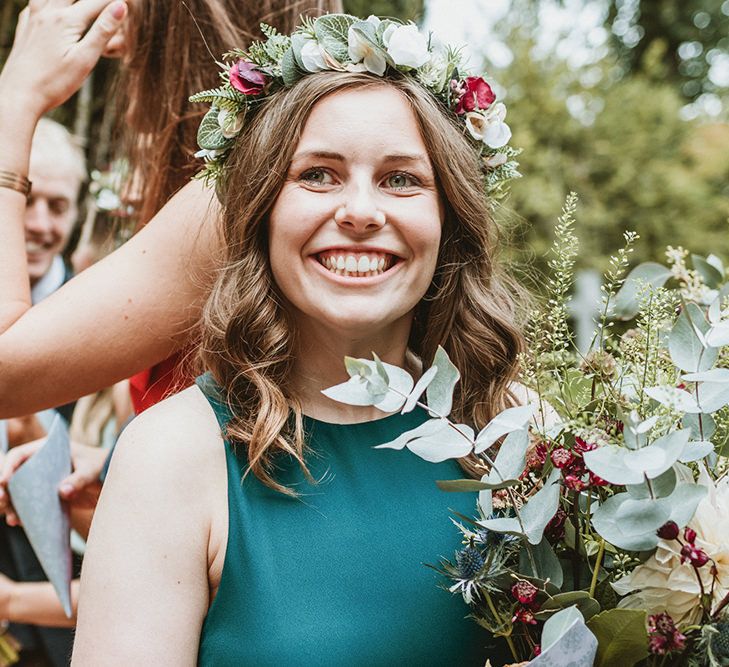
<point>343,43</point>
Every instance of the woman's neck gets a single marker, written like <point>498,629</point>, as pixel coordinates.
<point>320,364</point>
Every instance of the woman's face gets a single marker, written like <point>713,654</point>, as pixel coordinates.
<point>355,231</point>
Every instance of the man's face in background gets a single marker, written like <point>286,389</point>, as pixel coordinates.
<point>50,214</point>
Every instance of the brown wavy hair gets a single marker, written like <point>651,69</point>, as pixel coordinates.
<point>248,338</point>
<point>170,43</point>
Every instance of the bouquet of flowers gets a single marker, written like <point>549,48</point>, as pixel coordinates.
<point>601,530</point>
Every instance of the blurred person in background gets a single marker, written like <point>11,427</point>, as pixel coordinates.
<point>58,171</point>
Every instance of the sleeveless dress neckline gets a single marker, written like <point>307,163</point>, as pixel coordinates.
<point>338,576</point>
<point>313,421</point>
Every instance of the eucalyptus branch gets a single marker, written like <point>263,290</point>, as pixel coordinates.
<point>472,442</point>
<point>454,426</point>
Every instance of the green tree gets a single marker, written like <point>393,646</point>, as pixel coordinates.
<point>623,148</point>
<point>407,10</point>
<point>692,34</point>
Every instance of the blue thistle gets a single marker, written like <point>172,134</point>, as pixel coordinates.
<point>720,640</point>
<point>469,562</point>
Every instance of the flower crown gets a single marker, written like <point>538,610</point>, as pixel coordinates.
<point>339,42</point>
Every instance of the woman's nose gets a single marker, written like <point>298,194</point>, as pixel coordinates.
<point>360,211</point>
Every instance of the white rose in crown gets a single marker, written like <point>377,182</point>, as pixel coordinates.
<point>489,126</point>
<point>406,45</point>
<point>230,123</point>
<point>311,56</point>
<point>361,50</point>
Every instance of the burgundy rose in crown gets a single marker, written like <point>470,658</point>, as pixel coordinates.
<point>246,78</point>
<point>476,94</point>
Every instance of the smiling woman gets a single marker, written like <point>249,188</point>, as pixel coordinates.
<point>376,205</point>
<point>354,219</point>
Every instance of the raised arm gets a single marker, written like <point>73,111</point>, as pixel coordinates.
<point>125,313</point>
<point>144,584</point>
<point>130,310</point>
<point>56,45</point>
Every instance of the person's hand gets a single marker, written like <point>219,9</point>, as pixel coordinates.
<point>7,587</point>
<point>24,429</point>
<point>57,43</point>
<point>81,489</point>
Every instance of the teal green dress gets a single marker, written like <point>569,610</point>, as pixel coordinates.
<point>338,576</point>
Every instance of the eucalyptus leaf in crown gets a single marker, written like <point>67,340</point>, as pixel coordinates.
<point>339,42</point>
<point>601,527</point>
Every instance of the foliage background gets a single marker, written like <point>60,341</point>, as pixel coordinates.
<point>628,127</point>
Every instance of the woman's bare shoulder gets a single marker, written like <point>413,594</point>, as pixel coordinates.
<point>180,434</point>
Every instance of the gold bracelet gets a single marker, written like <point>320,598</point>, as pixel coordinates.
<point>13,181</point>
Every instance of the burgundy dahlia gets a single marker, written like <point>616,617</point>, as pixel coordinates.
<point>583,446</point>
<point>574,482</point>
<point>597,481</point>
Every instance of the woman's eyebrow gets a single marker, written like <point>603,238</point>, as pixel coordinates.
<point>407,157</point>
<point>325,155</point>
<point>331,155</point>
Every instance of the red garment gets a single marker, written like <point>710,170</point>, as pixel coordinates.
<point>162,380</point>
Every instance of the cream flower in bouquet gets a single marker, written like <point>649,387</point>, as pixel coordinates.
<point>669,582</point>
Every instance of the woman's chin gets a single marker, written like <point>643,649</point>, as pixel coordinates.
<point>356,321</point>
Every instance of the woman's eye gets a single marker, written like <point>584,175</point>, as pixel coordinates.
<point>400,181</point>
<point>317,177</point>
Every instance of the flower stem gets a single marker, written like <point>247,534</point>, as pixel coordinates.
<point>500,622</point>
<point>575,519</point>
<point>720,607</point>
<point>703,592</point>
<point>598,562</point>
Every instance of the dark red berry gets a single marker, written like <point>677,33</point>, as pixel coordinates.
<point>668,531</point>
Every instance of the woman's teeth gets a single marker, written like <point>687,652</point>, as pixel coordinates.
<point>357,264</point>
